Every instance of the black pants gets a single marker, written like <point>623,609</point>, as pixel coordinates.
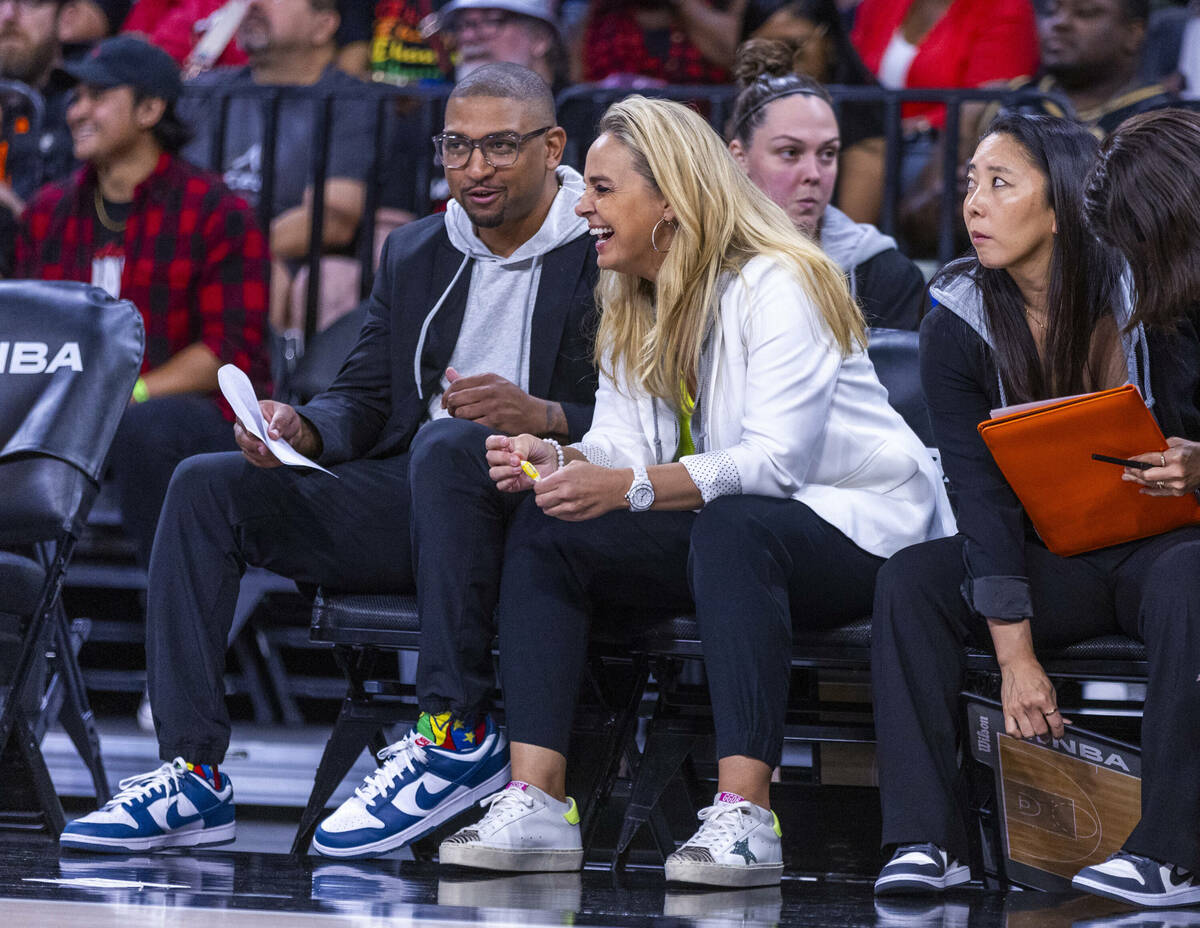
<point>222,513</point>
<point>459,521</point>
<point>1149,590</point>
<point>152,438</point>
<point>354,534</point>
<point>753,566</point>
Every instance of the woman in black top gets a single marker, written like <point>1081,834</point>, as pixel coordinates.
<point>1043,310</point>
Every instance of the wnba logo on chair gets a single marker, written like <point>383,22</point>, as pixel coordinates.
<point>35,358</point>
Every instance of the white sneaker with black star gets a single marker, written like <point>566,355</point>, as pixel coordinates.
<point>524,829</point>
<point>1139,880</point>
<point>920,868</point>
<point>738,844</point>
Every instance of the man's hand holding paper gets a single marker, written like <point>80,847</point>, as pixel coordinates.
<point>268,433</point>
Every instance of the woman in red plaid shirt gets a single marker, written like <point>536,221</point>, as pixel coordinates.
<point>147,226</point>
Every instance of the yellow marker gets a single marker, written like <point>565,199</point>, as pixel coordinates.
<point>530,471</point>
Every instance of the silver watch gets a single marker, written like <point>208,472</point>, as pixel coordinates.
<point>641,491</point>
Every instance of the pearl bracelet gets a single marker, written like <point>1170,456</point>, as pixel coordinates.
<point>557,451</point>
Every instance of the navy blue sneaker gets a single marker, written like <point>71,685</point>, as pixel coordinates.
<point>920,868</point>
<point>168,807</point>
<point>417,788</point>
<point>1140,881</point>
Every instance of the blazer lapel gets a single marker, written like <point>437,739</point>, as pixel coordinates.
<point>561,271</point>
<point>445,326</point>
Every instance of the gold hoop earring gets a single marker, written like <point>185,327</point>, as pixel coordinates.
<point>654,233</point>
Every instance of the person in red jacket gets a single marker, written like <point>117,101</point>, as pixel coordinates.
<point>944,43</point>
<point>176,26</point>
<point>914,44</point>
<point>146,226</point>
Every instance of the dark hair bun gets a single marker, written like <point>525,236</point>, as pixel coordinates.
<point>759,57</point>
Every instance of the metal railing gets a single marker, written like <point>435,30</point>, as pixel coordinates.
<point>404,119</point>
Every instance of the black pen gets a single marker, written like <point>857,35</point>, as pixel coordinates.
<point>1124,462</point>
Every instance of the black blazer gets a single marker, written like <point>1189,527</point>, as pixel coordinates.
<point>372,409</point>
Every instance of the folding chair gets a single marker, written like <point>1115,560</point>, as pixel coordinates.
<point>69,356</point>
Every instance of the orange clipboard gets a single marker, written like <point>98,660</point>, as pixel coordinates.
<point>1075,503</point>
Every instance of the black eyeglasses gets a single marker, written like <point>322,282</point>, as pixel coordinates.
<point>500,149</point>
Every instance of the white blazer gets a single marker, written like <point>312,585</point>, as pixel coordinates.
<point>786,415</point>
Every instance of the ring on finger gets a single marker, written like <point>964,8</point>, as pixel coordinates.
<point>1160,484</point>
<point>1162,458</point>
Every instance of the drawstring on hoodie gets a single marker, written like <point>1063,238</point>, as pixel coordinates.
<point>429,319</point>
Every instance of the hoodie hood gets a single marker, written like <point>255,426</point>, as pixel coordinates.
<point>954,289</point>
<point>850,243</point>
<point>959,294</point>
<point>560,226</point>
<point>499,284</point>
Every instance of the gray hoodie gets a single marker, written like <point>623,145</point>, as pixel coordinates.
<point>494,337</point>
<point>962,297</point>
<point>850,243</point>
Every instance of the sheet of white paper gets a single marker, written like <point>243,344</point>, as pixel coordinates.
<point>1025,407</point>
<point>238,391</point>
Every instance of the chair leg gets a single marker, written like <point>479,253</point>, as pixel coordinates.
<point>289,710</point>
<point>29,801</point>
<point>358,723</point>
<point>76,712</point>
<point>618,690</point>
<point>29,797</point>
<point>664,754</point>
<point>260,702</point>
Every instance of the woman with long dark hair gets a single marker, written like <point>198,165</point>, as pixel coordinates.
<point>1042,310</point>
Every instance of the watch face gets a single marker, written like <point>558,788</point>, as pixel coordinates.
<point>641,498</point>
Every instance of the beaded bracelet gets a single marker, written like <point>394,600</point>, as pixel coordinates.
<point>558,451</point>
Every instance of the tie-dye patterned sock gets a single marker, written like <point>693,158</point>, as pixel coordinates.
<point>444,730</point>
<point>209,772</point>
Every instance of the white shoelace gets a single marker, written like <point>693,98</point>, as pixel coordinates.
<point>505,806</point>
<point>720,823</point>
<point>133,788</point>
<point>397,758</point>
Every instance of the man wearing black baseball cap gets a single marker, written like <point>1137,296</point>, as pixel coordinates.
<point>128,60</point>
<point>145,225</point>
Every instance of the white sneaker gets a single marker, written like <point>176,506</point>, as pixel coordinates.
<point>738,844</point>
<point>524,829</point>
<point>1139,880</point>
<point>922,869</point>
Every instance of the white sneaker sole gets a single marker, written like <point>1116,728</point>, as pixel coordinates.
<point>443,813</point>
<point>482,857</point>
<point>1188,896</point>
<point>706,874</point>
<point>915,883</point>
<point>197,837</point>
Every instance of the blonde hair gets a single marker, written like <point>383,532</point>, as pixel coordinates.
<point>654,331</point>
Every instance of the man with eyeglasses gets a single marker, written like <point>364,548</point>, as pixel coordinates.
<point>480,321</point>
<point>524,32</point>
<point>29,54</point>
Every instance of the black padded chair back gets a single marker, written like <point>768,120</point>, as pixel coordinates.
<point>69,356</point>
<point>894,352</point>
